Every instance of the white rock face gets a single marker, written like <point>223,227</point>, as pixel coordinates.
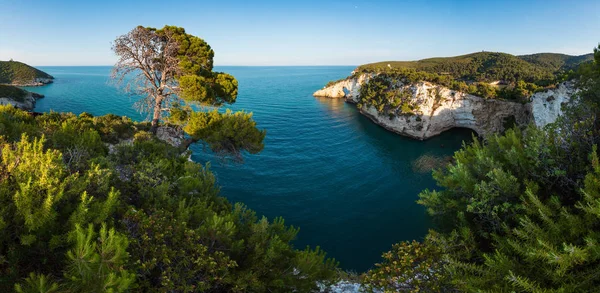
<point>348,88</point>
<point>27,103</point>
<point>547,106</point>
<point>455,109</point>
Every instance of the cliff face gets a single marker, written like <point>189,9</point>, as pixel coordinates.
<point>348,88</point>
<point>440,109</point>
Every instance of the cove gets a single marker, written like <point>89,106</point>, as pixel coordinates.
<point>349,184</point>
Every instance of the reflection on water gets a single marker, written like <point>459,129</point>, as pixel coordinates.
<point>335,105</point>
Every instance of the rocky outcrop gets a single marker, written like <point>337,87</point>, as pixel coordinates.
<point>348,88</point>
<point>171,135</point>
<point>25,103</point>
<point>440,108</point>
<point>546,106</point>
<point>38,81</point>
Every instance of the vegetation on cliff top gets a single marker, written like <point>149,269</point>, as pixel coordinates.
<point>9,91</point>
<point>14,72</point>
<point>540,69</point>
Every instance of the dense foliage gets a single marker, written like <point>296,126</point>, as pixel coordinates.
<point>13,72</point>
<point>98,204</point>
<point>517,213</point>
<point>13,92</point>
<point>387,96</point>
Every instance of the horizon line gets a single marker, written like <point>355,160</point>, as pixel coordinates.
<point>316,65</point>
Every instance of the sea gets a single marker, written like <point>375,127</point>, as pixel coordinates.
<point>348,184</point>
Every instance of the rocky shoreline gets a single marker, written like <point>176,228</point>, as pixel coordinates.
<point>441,108</point>
<point>26,103</point>
<point>38,81</point>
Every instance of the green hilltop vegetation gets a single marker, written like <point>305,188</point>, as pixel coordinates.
<point>9,91</point>
<point>540,69</point>
<point>14,72</point>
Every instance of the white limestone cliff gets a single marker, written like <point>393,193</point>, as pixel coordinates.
<point>455,109</point>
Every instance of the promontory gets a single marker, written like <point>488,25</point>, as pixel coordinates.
<point>487,92</point>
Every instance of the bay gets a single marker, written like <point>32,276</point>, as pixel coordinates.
<point>349,184</point>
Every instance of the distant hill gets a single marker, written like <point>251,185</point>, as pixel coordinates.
<point>556,61</point>
<point>488,66</point>
<point>17,73</point>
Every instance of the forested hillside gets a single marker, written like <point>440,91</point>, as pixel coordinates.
<point>489,66</point>
<point>13,72</point>
<point>13,92</point>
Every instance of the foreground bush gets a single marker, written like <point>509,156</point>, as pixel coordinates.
<point>81,212</point>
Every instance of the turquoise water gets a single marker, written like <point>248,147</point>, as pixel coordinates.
<point>347,183</point>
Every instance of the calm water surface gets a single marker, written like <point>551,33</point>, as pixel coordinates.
<point>347,183</point>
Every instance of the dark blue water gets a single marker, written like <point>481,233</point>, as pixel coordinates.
<point>347,183</point>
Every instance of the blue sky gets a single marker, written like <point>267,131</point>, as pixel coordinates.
<point>307,32</point>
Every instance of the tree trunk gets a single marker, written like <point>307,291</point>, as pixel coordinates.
<point>156,115</point>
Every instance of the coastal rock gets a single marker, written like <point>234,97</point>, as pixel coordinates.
<point>546,106</point>
<point>171,135</point>
<point>25,103</point>
<point>348,88</point>
<point>38,81</point>
<point>440,108</point>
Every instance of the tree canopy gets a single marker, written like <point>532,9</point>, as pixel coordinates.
<point>173,72</point>
<point>168,66</point>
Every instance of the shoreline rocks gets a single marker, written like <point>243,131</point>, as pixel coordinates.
<point>26,103</point>
<point>38,81</point>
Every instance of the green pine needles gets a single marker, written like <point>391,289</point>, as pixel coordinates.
<point>99,204</point>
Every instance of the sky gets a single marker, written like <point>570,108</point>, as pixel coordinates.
<point>284,32</point>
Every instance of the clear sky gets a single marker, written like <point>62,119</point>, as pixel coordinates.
<point>282,32</point>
